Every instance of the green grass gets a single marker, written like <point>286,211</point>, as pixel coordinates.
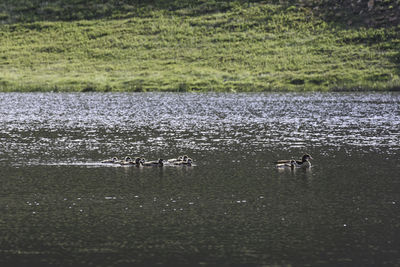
<point>257,47</point>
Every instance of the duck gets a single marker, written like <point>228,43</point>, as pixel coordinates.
<point>126,161</point>
<point>178,159</point>
<point>187,162</point>
<point>159,162</point>
<point>303,163</point>
<point>139,161</point>
<point>129,161</point>
<point>112,160</point>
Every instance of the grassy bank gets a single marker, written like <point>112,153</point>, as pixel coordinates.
<point>240,47</point>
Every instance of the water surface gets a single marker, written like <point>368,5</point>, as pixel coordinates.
<point>60,206</point>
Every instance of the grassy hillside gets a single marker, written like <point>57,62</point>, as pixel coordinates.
<point>192,46</point>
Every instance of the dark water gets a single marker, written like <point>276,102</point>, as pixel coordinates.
<point>60,207</point>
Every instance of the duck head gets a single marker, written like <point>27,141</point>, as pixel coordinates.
<point>306,157</point>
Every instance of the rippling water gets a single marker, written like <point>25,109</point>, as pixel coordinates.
<point>60,206</point>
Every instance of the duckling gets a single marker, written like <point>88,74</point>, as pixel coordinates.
<point>180,158</point>
<point>127,161</point>
<point>159,162</point>
<point>112,160</point>
<point>303,163</point>
<point>139,162</point>
<point>187,162</point>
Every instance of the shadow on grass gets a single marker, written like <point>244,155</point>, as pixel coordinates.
<point>354,13</point>
<point>15,11</point>
<point>348,13</point>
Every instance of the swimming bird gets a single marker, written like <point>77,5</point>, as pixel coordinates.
<point>303,163</point>
<point>187,162</point>
<point>159,162</point>
<point>137,162</point>
<point>112,160</point>
<point>127,161</point>
<point>180,158</point>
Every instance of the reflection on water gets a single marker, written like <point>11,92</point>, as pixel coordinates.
<point>60,206</point>
<point>90,127</point>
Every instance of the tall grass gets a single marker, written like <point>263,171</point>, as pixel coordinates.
<point>258,47</point>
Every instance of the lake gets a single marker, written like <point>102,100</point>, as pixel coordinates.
<point>61,207</point>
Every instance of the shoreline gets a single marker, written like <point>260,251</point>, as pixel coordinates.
<point>357,90</point>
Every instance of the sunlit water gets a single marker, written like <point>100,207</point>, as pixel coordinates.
<point>60,206</point>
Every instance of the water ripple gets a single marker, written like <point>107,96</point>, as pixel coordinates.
<point>46,126</point>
